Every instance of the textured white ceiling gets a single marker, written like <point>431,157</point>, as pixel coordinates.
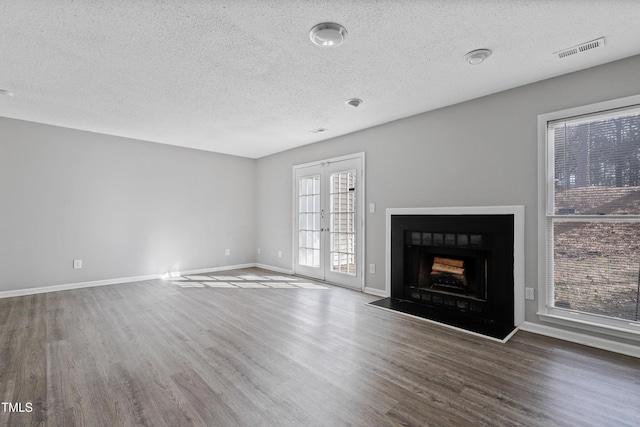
<point>242,77</point>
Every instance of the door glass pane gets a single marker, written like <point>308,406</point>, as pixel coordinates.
<point>351,202</point>
<point>309,221</point>
<point>342,222</point>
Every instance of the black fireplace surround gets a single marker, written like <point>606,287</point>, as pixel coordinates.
<point>479,249</point>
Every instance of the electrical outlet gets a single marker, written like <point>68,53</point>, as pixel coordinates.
<point>372,208</point>
<point>77,264</point>
<point>227,251</point>
<point>258,250</point>
<point>529,293</point>
<point>372,268</point>
<point>279,254</point>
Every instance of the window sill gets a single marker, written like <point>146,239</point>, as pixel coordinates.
<point>621,329</point>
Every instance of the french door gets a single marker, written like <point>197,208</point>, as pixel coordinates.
<point>328,221</point>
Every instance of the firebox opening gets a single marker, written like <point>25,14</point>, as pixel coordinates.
<point>434,272</point>
<point>446,269</point>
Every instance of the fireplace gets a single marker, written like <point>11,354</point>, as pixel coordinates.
<point>456,266</point>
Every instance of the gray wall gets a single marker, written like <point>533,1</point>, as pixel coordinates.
<point>125,207</point>
<point>478,153</point>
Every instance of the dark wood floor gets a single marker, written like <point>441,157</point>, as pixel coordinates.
<point>160,353</point>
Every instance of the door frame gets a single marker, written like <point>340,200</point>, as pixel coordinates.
<point>360,241</point>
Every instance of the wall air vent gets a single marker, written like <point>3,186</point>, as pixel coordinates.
<point>580,48</point>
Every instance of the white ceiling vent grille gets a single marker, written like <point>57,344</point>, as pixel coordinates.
<point>580,48</point>
<point>319,130</point>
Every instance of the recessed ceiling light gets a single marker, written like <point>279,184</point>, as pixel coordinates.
<point>353,102</point>
<point>478,56</point>
<point>328,34</point>
<point>6,93</point>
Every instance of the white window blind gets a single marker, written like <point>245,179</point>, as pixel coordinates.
<point>593,215</point>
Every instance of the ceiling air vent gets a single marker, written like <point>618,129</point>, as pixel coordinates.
<point>318,130</point>
<point>580,48</point>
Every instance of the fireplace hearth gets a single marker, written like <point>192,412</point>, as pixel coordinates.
<point>456,269</point>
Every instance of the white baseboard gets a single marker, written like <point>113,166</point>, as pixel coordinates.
<point>69,286</point>
<point>588,340</point>
<point>374,291</point>
<point>272,268</point>
<point>116,281</point>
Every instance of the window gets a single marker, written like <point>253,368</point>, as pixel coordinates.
<point>591,253</point>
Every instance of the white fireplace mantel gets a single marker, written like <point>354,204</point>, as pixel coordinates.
<point>518,243</point>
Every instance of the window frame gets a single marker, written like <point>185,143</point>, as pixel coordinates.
<point>566,317</point>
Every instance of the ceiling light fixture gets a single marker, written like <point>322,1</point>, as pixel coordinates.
<point>353,102</point>
<point>6,93</point>
<point>476,57</point>
<point>328,34</point>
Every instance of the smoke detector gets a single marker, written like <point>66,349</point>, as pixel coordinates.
<point>328,34</point>
<point>353,102</point>
<point>476,57</point>
<point>580,48</point>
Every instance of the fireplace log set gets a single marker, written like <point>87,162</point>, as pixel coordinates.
<point>449,273</point>
<point>445,272</point>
